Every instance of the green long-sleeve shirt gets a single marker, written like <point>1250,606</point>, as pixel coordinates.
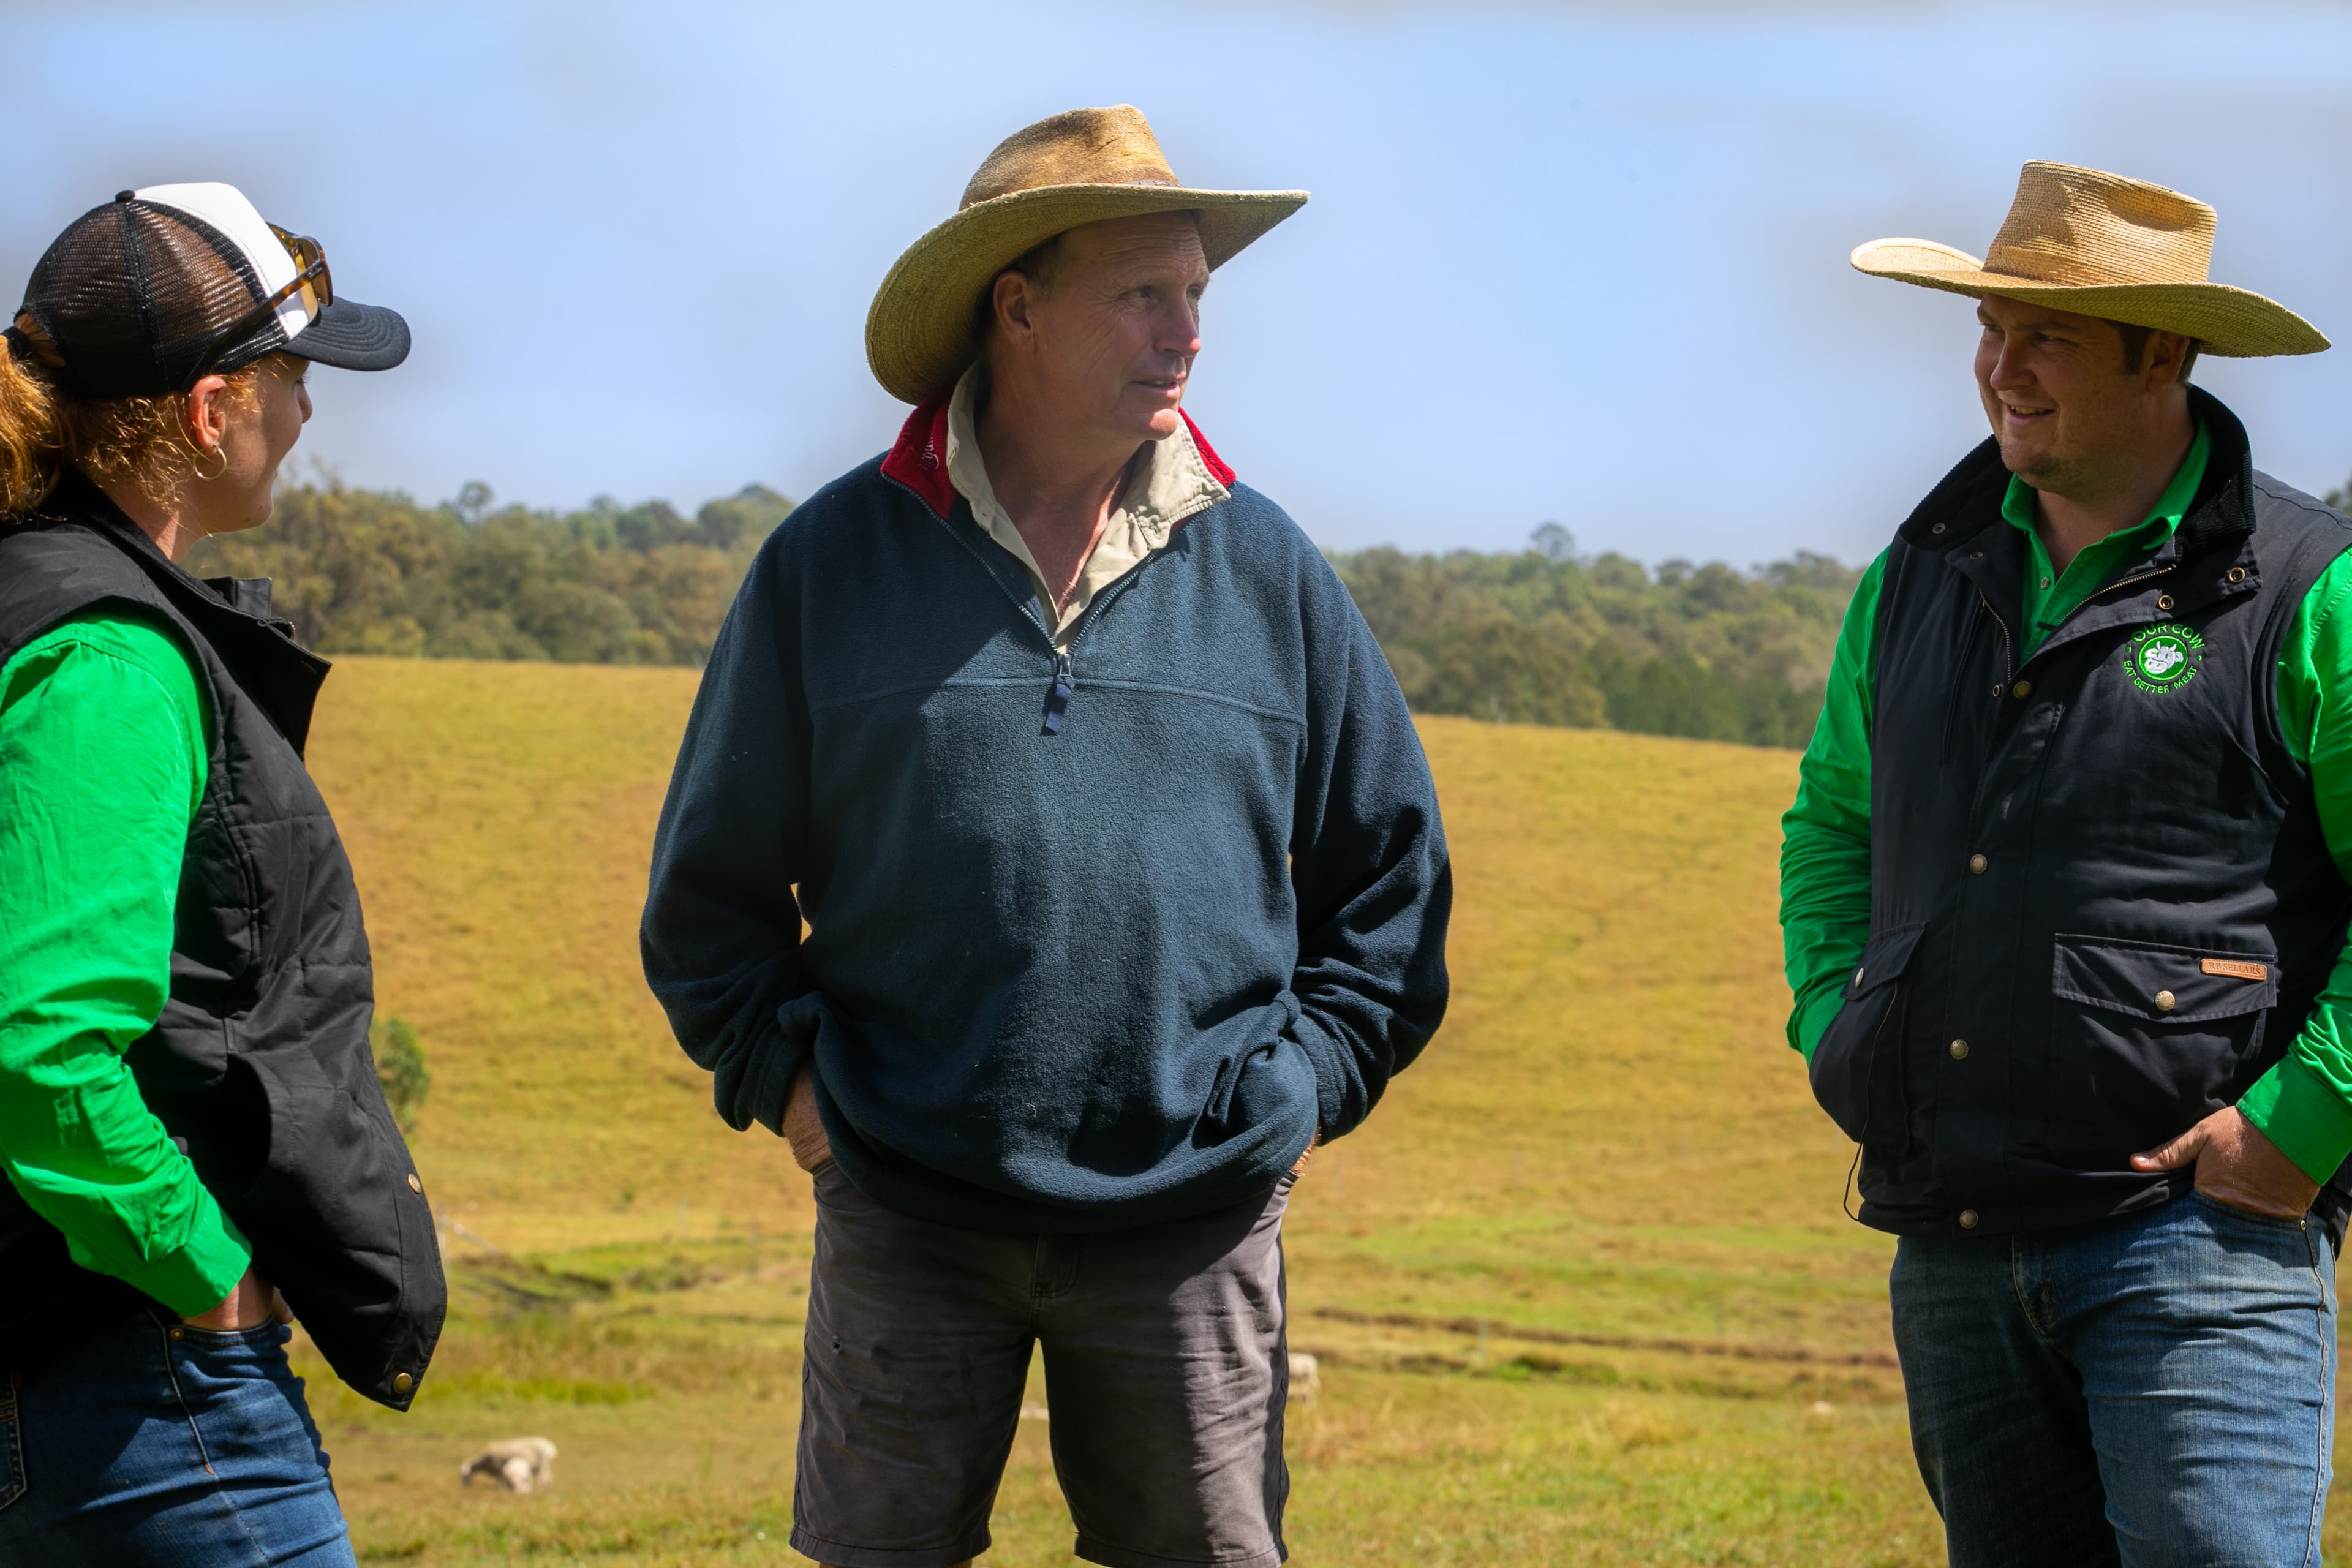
<point>101,766</point>
<point>2304,1104</point>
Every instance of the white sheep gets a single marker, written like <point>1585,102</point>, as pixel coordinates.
<point>518,1464</point>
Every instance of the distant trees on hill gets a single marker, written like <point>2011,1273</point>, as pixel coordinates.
<point>1543,636</point>
<point>373,571</point>
<point>1549,637</point>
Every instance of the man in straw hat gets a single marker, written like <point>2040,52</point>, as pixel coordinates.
<point>2064,897</point>
<point>1122,875</point>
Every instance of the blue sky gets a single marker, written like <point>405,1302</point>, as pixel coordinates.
<point>1572,262</point>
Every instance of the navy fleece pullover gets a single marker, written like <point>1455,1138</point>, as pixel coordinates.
<point>1090,944</point>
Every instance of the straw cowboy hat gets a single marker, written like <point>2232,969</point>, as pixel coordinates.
<point>2100,245</point>
<point>1081,167</point>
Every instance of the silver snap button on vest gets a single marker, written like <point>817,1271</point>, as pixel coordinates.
<point>1967,1220</point>
<point>1977,864</point>
<point>2164,1002</point>
<point>1960,1050</point>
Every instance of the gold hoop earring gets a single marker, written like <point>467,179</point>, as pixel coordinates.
<point>197,467</point>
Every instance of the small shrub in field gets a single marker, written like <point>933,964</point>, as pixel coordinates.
<point>400,1067</point>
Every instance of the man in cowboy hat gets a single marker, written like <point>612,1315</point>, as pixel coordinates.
<point>1122,875</point>
<point>2064,898</point>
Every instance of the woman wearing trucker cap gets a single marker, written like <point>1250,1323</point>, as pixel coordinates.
<point>195,1143</point>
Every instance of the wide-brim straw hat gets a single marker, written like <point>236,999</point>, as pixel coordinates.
<point>1077,167</point>
<point>2100,245</point>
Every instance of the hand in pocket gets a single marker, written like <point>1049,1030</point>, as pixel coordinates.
<point>2237,1166</point>
<point>251,1302</point>
<point>803,1129</point>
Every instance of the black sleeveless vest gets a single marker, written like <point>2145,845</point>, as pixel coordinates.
<point>259,1067</point>
<point>2101,902</point>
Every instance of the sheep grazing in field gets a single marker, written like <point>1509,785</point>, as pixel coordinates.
<point>518,1464</point>
<point>1305,1375</point>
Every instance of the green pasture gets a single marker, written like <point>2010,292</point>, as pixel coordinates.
<point>1582,1288</point>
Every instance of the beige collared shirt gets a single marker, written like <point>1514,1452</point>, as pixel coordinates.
<point>1170,484</point>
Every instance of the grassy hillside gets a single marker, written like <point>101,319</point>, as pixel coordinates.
<point>1582,1286</point>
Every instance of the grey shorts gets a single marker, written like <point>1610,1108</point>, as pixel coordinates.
<point>1166,1372</point>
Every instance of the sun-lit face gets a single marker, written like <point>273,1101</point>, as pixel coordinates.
<point>2059,394</point>
<point>1111,341</point>
<point>255,441</point>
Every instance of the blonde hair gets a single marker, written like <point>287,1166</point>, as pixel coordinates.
<point>140,442</point>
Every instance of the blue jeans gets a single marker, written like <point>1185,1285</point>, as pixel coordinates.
<point>154,1444</point>
<point>2153,1390</point>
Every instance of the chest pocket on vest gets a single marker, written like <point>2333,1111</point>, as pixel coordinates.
<point>2147,1038</point>
<point>1857,1067</point>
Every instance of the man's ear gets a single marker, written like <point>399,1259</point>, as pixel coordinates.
<point>2167,357</point>
<point>1009,299</point>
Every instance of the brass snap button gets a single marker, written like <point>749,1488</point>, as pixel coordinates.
<point>1977,864</point>
<point>2237,574</point>
<point>2164,601</point>
<point>1967,1220</point>
<point>177,1332</point>
<point>1960,1050</point>
<point>402,1382</point>
<point>2021,690</point>
<point>2164,1002</point>
<point>413,1185</point>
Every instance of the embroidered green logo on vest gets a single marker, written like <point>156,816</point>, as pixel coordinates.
<point>2165,656</point>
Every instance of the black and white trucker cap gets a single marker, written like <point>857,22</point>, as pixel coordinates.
<point>164,285</point>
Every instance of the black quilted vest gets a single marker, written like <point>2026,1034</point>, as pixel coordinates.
<point>259,1065</point>
<point>2101,903</point>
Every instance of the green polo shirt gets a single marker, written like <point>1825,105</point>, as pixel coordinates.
<point>2047,603</point>
<point>103,761</point>
<point>2305,1104</point>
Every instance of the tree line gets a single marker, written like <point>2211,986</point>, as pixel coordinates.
<point>1549,637</point>
<point>362,570</point>
<point>1543,636</point>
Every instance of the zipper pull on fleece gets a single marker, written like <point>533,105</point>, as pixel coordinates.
<point>1057,701</point>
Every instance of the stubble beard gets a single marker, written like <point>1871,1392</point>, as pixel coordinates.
<point>2042,468</point>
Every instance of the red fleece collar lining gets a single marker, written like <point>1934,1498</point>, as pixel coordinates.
<point>1218,469</point>
<point>919,459</point>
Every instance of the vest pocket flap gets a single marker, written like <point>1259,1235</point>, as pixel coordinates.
<point>1883,961</point>
<point>2159,982</point>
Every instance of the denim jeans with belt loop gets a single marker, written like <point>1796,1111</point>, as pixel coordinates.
<point>154,1444</point>
<point>2149,1390</point>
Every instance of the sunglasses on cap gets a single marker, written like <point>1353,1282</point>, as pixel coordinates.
<point>311,281</point>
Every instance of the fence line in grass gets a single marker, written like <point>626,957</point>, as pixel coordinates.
<point>1736,1350</point>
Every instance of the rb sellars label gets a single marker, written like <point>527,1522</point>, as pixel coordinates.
<point>2165,656</point>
